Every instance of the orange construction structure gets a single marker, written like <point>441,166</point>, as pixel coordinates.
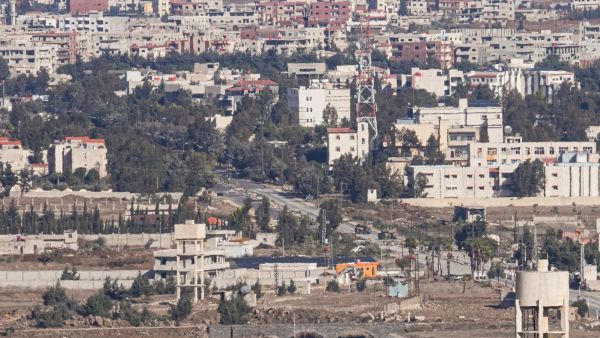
<point>369,269</point>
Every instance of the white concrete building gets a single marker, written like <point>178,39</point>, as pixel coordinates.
<point>475,115</point>
<point>78,152</point>
<point>436,81</point>
<point>447,181</point>
<point>341,141</point>
<point>13,154</point>
<point>514,151</point>
<point>25,57</point>
<point>310,103</point>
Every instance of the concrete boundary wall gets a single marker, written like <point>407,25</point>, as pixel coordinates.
<point>501,201</point>
<point>67,284</point>
<point>159,241</point>
<point>54,275</point>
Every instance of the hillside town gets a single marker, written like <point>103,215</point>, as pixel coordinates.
<point>317,168</point>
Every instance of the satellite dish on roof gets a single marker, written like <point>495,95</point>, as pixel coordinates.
<point>508,130</point>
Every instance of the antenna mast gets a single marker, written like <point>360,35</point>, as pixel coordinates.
<point>366,108</point>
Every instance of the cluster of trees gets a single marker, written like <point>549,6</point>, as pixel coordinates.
<point>88,221</point>
<point>565,254</point>
<point>110,302</point>
<point>528,179</point>
<point>471,238</point>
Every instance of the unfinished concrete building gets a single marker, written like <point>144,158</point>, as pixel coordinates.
<point>542,303</point>
<point>190,238</point>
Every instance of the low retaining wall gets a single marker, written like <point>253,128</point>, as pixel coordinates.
<point>159,241</point>
<point>501,201</point>
<point>88,280</point>
<point>67,284</point>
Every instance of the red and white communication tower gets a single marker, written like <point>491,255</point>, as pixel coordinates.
<point>366,108</point>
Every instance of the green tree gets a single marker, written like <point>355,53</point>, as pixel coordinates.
<point>97,304</point>
<point>420,184</point>
<point>331,212</point>
<point>140,286</point>
<point>408,141</point>
<point>234,311</point>
<point>8,179</point>
<point>432,152</point>
<point>528,179</point>
<point>183,308</point>
<point>333,286</point>
<point>281,289</point>
<point>330,116</point>
<point>291,289</point>
<point>4,70</point>
<point>263,215</point>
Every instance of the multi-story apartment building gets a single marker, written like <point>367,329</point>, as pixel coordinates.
<point>342,141</point>
<point>474,114</point>
<point>422,51</point>
<point>310,102</point>
<point>498,11</point>
<point>192,261</point>
<point>448,181</point>
<point>576,174</point>
<point>569,174</point>
<point>436,81</point>
<point>514,151</point>
<point>24,57</point>
<point>582,5</point>
<point>65,42</point>
<point>78,152</point>
<point>13,154</point>
<point>525,82</point>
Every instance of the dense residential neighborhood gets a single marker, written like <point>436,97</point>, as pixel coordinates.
<point>317,168</point>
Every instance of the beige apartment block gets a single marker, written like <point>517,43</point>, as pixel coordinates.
<point>341,141</point>
<point>13,154</point>
<point>465,115</point>
<point>310,102</point>
<point>78,152</point>
<point>514,151</point>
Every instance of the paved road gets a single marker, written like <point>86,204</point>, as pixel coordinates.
<point>239,189</point>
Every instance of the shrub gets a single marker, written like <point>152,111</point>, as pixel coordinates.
<point>171,285</point>
<point>45,257</point>
<point>333,286</point>
<point>281,289</point>
<point>52,318</point>
<point>113,289</point>
<point>69,275</point>
<point>140,286</point>
<point>133,316</point>
<point>159,287</point>
<point>234,311</point>
<point>97,304</point>
<point>55,295</point>
<point>292,288</point>
<point>582,307</point>
<point>257,288</point>
<point>182,309</point>
<point>361,285</point>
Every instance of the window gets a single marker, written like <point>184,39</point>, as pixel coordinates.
<point>555,187</point>
<point>562,150</point>
<point>337,137</point>
<point>538,150</point>
<point>337,149</point>
<point>551,150</point>
<point>352,137</point>
<point>527,151</point>
<point>352,149</point>
<point>588,149</point>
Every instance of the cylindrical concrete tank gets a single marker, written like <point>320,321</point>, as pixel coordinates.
<point>551,288</point>
<point>542,265</point>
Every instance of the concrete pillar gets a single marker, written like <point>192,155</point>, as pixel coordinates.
<point>564,318</point>
<point>518,319</point>
<point>542,325</point>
